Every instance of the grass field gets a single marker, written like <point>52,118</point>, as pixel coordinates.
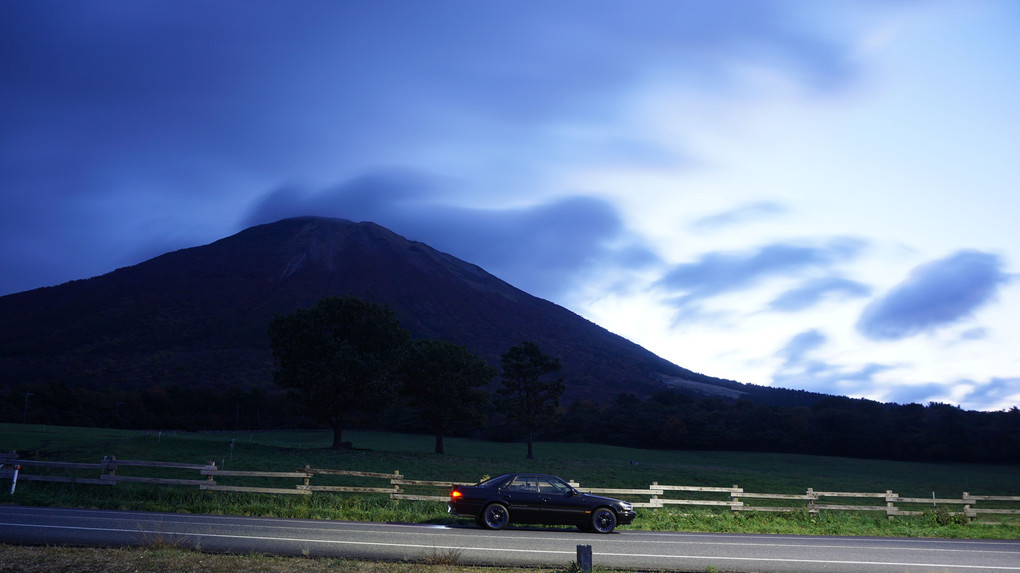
<point>469,460</point>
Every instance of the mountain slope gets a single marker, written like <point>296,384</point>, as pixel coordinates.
<point>198,316</point>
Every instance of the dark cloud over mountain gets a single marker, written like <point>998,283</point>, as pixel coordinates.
<point>543,248</point>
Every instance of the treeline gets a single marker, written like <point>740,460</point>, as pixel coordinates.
<point>667,420</point>
<point>346,363</point>
<point>834,426</point>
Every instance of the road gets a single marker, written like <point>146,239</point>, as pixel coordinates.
<point>522,546</point>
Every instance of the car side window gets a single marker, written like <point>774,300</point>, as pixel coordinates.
<point>552,486</point>
<point>524,483</point>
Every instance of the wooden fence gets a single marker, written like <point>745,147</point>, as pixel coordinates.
<point>400,488</point>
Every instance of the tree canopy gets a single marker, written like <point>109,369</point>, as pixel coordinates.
<point>444,382</point>
<point>528,400</point>
<point>336,357</point>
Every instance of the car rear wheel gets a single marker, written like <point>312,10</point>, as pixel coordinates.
<point>603,520</point>
<point>495,516</point>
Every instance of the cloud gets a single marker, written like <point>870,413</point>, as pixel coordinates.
<point>997,393</point>
<point>935,294</point>
<point>919,393</point>
<point>814,291</point>
<point>801,345</point>
<point>800,370</point>
<point>185,112</point>
<point>820,376</point>
<point>741,215</point>
<point>976,333</point>
<point>543,248</point>
<point>720,272</point>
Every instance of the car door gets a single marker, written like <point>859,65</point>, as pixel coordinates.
<point>523,499</point>
<point>561,504</point>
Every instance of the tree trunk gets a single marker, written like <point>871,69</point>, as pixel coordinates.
<point>439,444</point>
<point>338,432</point>
<point>531,453</point>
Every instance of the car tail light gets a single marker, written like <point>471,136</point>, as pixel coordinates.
<point>455,495</point>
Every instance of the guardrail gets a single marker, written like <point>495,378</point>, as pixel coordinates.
<point>400,487</point>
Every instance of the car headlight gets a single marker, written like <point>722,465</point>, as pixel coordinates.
<point>625,506</point>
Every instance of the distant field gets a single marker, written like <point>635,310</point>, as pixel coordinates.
<point>469,460</point>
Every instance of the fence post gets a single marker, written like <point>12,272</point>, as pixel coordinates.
<point>111,466</point>
<point>890,505</point>
<point>308,480</point>
<point>396,487</point>
<point>966,508</point>
<point>584,561</point>
<point>211,478</point>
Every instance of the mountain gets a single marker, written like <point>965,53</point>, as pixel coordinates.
<point>197,317</point>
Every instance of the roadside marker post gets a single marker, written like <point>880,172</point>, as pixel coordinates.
<point>14,480</point>
<point>584,561</point>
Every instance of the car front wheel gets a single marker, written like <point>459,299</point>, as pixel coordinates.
<point>603,520</point>
<point>495,516</point>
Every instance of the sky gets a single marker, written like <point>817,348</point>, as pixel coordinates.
<point>809,195</point>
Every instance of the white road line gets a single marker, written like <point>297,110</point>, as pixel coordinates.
<point>507,550</point>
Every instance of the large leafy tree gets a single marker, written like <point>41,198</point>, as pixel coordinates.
<point>528,400</point>
<point>337,357</point>
<point>444,381</point>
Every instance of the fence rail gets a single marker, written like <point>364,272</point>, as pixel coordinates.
<point>654,496</point>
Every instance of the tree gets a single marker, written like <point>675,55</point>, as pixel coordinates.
<point>528,400</point>
<point>337,357</point>
<point>444,381</point>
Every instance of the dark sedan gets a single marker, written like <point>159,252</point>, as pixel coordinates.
<point>537,498</point>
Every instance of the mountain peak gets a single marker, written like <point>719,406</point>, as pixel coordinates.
<point>198,316</point>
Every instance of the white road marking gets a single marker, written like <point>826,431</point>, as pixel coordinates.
<point>508,550</point>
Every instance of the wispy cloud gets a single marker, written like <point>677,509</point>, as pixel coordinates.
<point>1001,392</point>
<point>935,294</point>
<point>721,272</point>
<point>800,369</point>
<point>745,214</point>
<point>815,291</point>
<point>797,348</point>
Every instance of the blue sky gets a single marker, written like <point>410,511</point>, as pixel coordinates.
<point>815,195</point>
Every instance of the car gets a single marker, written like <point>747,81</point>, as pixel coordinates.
<point>537,499</point>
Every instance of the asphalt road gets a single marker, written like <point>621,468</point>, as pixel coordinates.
<point>521,546</point>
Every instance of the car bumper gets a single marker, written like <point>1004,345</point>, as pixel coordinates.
<point>625,517</point>
<point>463,509</point>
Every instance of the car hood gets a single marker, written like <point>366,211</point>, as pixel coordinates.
<point>594,497</point>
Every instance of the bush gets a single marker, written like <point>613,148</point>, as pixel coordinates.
<point>942,517</point>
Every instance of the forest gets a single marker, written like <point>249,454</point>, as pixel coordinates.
<point>667,420</point>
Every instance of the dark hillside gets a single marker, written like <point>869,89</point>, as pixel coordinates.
<point>198,316</point>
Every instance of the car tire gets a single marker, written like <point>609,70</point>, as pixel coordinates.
<point>495,516</point>
<point>603,520</point>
